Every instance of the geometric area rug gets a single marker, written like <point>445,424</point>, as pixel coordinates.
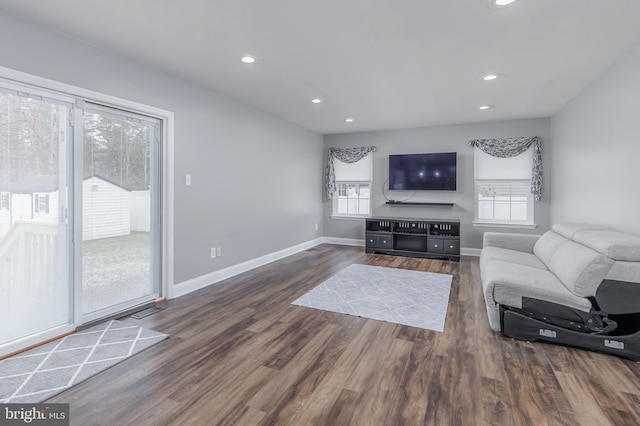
<point>414,298</point>
<point>44,371</point>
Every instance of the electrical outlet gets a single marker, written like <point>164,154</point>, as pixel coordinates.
<point>187,180</point>
<point>316,226</point>
<point>213,252</point>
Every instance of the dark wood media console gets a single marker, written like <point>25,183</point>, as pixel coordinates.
<point>433,238</point>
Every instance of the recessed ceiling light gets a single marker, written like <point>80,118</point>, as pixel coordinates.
<point>484,107</point>
<point>503,2</point>
<point>316,101</point>
<point>349,120</point>
<point>489,77</point>
<point>247,59</point>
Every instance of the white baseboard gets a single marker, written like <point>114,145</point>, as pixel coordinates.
<point>203,281</point>
<point>470,251</point>
<point>343,241</point>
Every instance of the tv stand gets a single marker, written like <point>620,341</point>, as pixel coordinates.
<point>431,238</point>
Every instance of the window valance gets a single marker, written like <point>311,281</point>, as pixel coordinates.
<point>346,155</point>
<point>510,147</point>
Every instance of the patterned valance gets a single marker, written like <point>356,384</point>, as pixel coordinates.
<point>346,155</point>
<point>510,147</point>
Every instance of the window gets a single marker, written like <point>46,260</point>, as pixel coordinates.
<point>503,189</point>
<point>353,182</point>
<point>506,201</point>
<point>4,201</point>
<point>353,199</point>
<point>41,203</point>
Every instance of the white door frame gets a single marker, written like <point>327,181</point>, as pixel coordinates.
<point>50,88</point>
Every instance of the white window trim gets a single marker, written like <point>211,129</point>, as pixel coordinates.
<point>504,225</point>
<point>352,217</point>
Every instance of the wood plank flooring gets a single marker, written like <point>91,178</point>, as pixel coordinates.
<point>240,353</point>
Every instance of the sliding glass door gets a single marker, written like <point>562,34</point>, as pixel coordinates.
<point>80,231</point>
<point>120,205</point>
<point>35,263</point>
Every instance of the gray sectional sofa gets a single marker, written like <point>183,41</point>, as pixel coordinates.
<point>577,285</point>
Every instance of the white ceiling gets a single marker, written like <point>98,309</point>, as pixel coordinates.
<point>385,63</point>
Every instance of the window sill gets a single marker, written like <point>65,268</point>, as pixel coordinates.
<point>359,217</point>
<point>505,225</point>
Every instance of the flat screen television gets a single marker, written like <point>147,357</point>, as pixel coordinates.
<point>433,172</point>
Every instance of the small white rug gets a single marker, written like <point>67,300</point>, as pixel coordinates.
<point>414,298</point>
<point>39,373</point>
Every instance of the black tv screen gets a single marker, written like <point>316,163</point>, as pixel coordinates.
<point>434,172</point>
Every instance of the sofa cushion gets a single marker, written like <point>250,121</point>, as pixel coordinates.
<point>521,258</point>
<point>580,268</point>
<point>547,245</point>
<point>568,230</point>
<point>613,244</point>
<point>508,283</point>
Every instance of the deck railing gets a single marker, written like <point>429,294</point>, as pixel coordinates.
<point>28,256</point>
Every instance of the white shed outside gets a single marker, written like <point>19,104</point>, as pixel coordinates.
<point>140,211</point>
<point>106,209</point>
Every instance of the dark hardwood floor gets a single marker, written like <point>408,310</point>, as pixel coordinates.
<point>240,353</point>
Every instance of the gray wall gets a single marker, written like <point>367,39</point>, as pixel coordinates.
<point>437,139</point>
<point>256,178</point>
<point>596,150</point>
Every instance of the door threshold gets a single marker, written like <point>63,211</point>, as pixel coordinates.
<point>119,314</point>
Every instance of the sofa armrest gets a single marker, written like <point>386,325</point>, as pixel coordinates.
<point>519,242</point>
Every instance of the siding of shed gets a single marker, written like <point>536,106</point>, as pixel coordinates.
<point>140,211</point>
<point>106,210</point>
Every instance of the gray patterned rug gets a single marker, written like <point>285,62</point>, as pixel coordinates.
<point>401,296</point>
<point>40,373</point>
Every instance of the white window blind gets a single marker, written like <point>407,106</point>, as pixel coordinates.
<point>494,168</point>
<point>360,171</point>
